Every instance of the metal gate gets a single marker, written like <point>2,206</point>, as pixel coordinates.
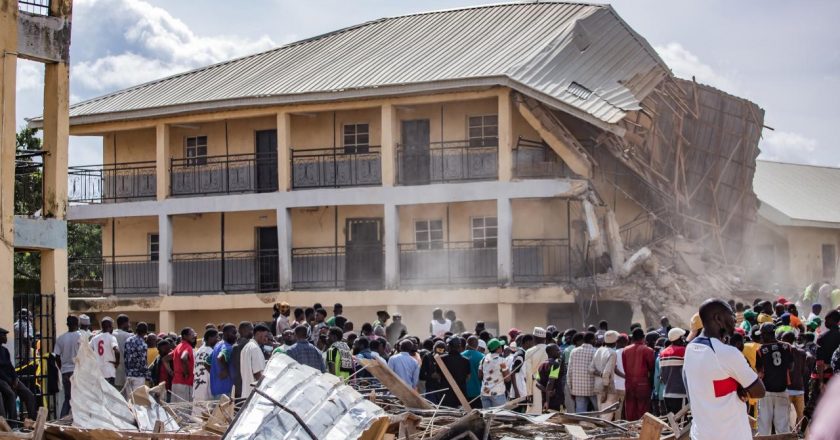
<point>34,339</point>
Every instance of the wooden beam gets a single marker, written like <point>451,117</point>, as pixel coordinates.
<point>453,386</point>
<point>408,396</point>
<point>651,427</point>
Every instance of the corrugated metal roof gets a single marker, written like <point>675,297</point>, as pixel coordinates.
<point>805,194</point>
<point>537,48</point>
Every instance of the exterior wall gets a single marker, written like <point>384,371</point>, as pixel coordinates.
<point>805,254</point>
<point>317,130</point>
<point>456,224</point>
<point>128,146</point>
<point>316,227</point>
<point>132,235</point>
<point>539,218</point>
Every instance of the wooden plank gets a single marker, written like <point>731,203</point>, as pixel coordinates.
<point>576,431</point>
<point>398,388</point>
<point>40,422</point>
<point>4,427</point>
<point>453,386</point>
<point>651,427</point>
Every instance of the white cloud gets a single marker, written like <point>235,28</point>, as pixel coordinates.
<point>686,65</point>
<point>785,146</point>
<point>30,75</point>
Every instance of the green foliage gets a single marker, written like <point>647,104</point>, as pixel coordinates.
<point>84,247</point>
<point>29,188</point>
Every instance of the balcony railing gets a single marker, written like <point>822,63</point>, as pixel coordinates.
<point>336,167</point>
<point>535,159</point>
<point>447,263</point>
<point>106,276</point>
<point>229,271</point>
<point>338,267</point>
<point>442,162</point>
<point>237,173</point>
<point>119,182</point>
<point>541,261</point>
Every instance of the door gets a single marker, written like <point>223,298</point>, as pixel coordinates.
<point>268,262</point>
<point>266,160</point>
<point>363,257</point>
<point>415,162</point>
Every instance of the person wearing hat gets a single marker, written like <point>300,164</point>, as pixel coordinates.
<point>749,320</point>
<point>696,326</point>
<point>603,368</point>
<point>784,326</point>
<point>396,329</point>
<point>10,386</point>
<point>493,372</point>
<point>84,327</point>
<point>534,357</point>
<point>773,364</point>
<point>671,360</point>
<point>482,346</point>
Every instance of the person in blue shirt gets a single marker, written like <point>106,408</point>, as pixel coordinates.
<point>221,376</point>
<point>474,382</point>
<point>404,365</point>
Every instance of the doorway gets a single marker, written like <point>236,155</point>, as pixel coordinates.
<point>266,160</point>
<point>268,262</point>
<point>416,157</point>
<point>364,262</point>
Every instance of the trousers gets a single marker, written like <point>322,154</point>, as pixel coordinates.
<point>636,404</point>
<point>774,411</point>
<point>9,392</point>
<point>65,382</point>
<point>604,401</point>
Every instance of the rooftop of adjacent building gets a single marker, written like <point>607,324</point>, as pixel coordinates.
<point>798,194</point>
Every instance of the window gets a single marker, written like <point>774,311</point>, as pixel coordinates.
<point>356,138</point>
<point>484,232</point>
<point>829,261</point>
<point>196,150</point>
<point>428,234</point>
<point>483,131</point>
<point>154,247</point>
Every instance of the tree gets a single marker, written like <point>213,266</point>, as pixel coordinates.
<point>29,179</point>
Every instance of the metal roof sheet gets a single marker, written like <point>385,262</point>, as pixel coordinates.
<point>538,48</point>
<point>805,194</point>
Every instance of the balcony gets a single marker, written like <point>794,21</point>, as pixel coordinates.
<point>229,271</point>
<point>446,162</point>
<point>447,263</point>
<point>106,276</point>
<point>336,167</point>
<point>110,183</point>
<point>535,160</point>
<point>355,267</point>
<point>228,174</point>
<point>541,261</point>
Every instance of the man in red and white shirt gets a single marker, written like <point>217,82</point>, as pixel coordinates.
<point>719,378</point>
<point>107,350</point>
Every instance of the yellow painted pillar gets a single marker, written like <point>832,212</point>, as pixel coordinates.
<point>506,141</point>
<point>54,282</point>
<point>166,322</point>
<point>56,138</point>
<point>389,145</point>
<point>8,65</point>
<point>284,151</point>
<point>162,158</point>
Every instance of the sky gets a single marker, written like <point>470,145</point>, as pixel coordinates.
<point>779,54</point>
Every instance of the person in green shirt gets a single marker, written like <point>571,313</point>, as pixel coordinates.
<point>338,309</point>
<point>339,357</point>
<point>749,320</point>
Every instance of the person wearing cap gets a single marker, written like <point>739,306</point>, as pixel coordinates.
<point>396,329</point>
<point>10,386</point>
<point>493,372</point>
<point>482,346</point>
<point>534,357</point>
<point>696,327</point>
<point>107,350</point>
<point>773,364</point>
<point>84,327</point>
<point>749,320</point>
<point>603,368</point>
<point>784,326</point>
<point>474,382</point>
<point>671,360</point>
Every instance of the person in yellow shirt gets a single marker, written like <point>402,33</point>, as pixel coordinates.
<point>152,352</point>
<point>766,314</point>
<point>751,346</point>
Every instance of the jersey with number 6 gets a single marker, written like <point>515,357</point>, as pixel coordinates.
<point>774,362</point>
<point>103,346</point>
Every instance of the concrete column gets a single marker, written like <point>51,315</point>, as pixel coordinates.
<point>56,137</point>
<point>392,249</point>
<point>284,248</point>
<point>162,158</point>
<point>506,317</point>
<point>166,322</point>
<point>8,51</point>
<point>504,251</point>
<point>284,152</point>
<point>165,272</point>
<point>506,141</point>
<point>54,282</point>
<point>389,145</point>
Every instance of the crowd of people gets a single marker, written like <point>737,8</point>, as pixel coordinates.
<point>766,360</point>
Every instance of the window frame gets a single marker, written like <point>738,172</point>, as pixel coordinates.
<point>195,159</point>
<point>482,140</point>
<point>355,147</point>
<point>485,241</point>
<point>429,242</point>
<point>153,246</point>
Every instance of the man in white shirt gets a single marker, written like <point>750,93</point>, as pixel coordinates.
<point>718,378</point>
<point>122,333</point>
<point>107,350</point>
<point>252,359</point>
<point>65,350</point>
<point>534,357</point>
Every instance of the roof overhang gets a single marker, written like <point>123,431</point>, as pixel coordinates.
<point>779,218</point>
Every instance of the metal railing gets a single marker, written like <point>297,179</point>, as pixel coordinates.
<point>235,173</point>
<point>447,263</point>
<point>442,162</point>
<point>542,261</point>
<point>338,267</point>
<point>29,182</point>
<point>336,167</point>
<point>535,159</point>
<point>106,276</point>
<point>36,7</point>
<point>116,182</point>
<point>222,272</point>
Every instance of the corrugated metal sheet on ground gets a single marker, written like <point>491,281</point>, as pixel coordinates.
<point>543,46</point>
<point>331,409</point>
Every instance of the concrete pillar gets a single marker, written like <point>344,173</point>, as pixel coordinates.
<point>56,138</point>
<point>284,248</point>
<point>8,51</point>
<point>166,322</point>
<point>504,250</point>
<point>392,248</point>
<point>638,315</point>
<point>389,145</point>
<point>507,319</point>
<point>506,141</point>
<point>54,282</point>
<point>165,272</point>
<point>284,151</point>
<point>162,159</point>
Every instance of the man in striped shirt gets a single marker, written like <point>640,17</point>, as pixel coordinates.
<point>671,361</point>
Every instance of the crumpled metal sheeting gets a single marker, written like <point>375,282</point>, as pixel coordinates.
<point>330,409</point>
<point>96,404</point>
